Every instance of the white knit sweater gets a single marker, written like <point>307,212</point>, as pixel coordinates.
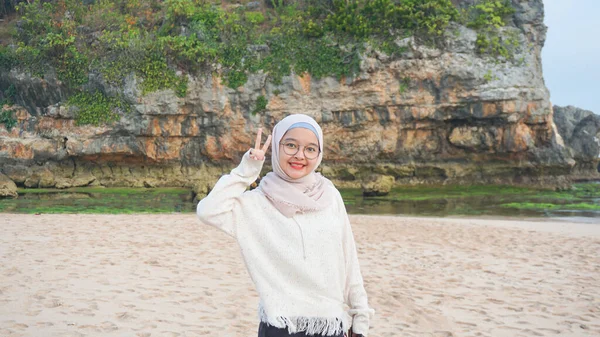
<point>305,268</point>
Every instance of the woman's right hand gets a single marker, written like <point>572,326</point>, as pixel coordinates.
<point>258,153</point>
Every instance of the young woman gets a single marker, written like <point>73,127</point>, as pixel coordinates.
<point>294,235</point>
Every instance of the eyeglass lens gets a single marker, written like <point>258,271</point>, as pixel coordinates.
<point>310,151</point>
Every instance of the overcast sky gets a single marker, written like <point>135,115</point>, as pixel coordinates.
<point>571,55</point>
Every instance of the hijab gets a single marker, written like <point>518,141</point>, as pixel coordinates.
<point>290,196</point>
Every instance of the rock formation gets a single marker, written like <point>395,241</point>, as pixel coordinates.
<point>580,130</point>
<point>377,185</point>
<point>7,187</point>
<point>433,115</point>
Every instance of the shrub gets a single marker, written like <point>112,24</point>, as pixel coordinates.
<point>6,118</point>
<point>261,105</point>
<point>255,18</point>
<point>487,17</point>
<point>489,14</point>
<point>428,17</point>
<point>156,74</point>
<point>97,108</point>
<point>8,59</point>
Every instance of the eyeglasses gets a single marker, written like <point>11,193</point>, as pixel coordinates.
<point>310,151</point>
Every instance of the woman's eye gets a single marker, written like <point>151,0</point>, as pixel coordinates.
<point>291,145</point>
<point>311,149</point>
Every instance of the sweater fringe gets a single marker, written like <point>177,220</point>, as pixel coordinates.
<point>326,326</point>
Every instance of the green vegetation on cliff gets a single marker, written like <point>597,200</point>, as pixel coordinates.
<point>96,108</point>
<point>487,17</point>
<point>162,41</point>
<point>6,116</point>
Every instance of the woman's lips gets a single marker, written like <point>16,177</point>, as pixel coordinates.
<point>297,166</point>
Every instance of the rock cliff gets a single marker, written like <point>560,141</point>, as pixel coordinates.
<point>440,114</point>
<point>580,130</point>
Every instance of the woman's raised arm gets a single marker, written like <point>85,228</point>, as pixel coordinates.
<point>218,207</point>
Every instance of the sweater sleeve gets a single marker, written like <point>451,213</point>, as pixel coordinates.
<point>218,207</point>
<point>355,294</point>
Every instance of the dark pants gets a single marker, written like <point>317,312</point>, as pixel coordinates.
<point>265,330</point>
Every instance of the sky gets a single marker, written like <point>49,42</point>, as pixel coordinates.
<point>571,54</point>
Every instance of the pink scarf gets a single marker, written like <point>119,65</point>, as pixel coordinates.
<point>290,196</point>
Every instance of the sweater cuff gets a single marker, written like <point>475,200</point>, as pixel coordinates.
<point>361,320</point>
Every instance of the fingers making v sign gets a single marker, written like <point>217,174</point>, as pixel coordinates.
<point>258,153</point>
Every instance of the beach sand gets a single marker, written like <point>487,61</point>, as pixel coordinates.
<point>167,275</point>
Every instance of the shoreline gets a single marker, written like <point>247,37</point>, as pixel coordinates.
<point>551,225</point>
<point>573,219</point>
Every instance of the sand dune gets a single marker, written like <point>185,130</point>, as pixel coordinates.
<point>166,275</point>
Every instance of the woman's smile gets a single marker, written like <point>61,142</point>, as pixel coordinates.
<point>297,166</point>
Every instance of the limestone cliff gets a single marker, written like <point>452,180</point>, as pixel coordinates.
<point>434,115</point>
<point>580,130</point>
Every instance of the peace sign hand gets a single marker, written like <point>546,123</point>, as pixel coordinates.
<point>258,153</point>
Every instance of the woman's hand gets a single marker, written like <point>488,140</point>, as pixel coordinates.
<point>258,153</point>
<point>352,334</point>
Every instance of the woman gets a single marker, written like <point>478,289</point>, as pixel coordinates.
<point>294,235</point>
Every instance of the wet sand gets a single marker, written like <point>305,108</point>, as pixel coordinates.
<point>167,275</point>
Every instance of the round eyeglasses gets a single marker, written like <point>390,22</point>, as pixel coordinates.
<point>310,151</point>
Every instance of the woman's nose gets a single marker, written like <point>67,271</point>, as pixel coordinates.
<point>300,153</point>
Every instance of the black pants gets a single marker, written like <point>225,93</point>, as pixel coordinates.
<point>265,330</point>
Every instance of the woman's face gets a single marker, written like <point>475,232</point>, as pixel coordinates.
<point>297,165</point>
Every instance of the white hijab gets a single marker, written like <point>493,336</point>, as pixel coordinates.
<point>290,196</point>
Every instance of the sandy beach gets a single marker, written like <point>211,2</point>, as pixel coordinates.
<point>167,275</point>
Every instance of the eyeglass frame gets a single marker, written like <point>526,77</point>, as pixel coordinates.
<point>298,150</point>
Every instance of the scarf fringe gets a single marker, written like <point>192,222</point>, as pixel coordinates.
<point>311,325</point>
